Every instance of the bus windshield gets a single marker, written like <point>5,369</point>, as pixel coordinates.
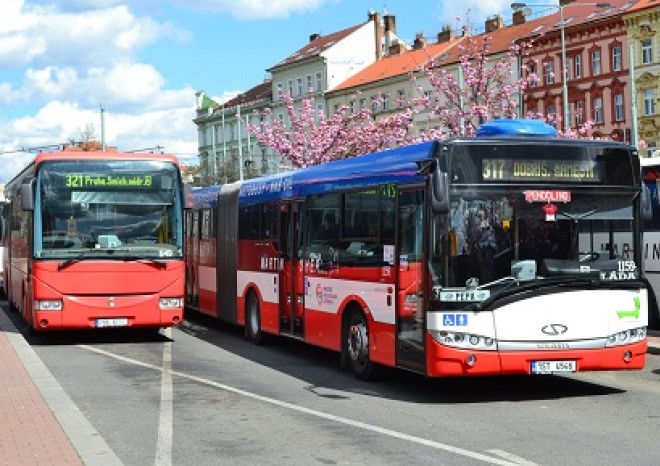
<point>105,208</point>
<point>492,230</point>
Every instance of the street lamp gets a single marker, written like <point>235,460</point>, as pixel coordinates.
<point>564,80</point>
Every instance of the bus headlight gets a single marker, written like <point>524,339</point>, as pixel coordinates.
<point>48,305</point>
<point>464,340</point>
<point>626,337</point>
<point>170,303</point>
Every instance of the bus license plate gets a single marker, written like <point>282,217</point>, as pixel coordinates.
<point>551,367</point>
<point>120,322</point>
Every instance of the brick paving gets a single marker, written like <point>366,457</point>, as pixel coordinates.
<point>29,432</point>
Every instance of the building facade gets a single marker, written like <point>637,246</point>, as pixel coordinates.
<point>597,69</point>
<point>643,33</point>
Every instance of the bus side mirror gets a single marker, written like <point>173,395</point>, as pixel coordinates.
<point>27,195</point>
<point>439,192</point>
<point>647,208</point>
<point>187,196</point>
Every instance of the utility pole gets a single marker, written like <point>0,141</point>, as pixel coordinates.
<point>102,127</point>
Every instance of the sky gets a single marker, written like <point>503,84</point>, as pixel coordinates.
<point>139,63</point>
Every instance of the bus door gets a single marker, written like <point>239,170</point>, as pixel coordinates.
<point>410,280</point>
<point>192,253</point>
<point>291,273</point>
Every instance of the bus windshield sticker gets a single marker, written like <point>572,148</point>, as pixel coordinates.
<point>536,195</point>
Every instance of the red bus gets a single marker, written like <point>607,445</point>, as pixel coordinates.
<point>95,240</point>
<point>470,256</point>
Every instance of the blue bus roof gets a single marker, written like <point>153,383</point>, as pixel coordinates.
<point>204,198</point>
<point>392,165</point>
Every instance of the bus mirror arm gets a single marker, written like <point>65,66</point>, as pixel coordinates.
<point>647,206</point>
<point>439,192</point>
<point>27,195</point>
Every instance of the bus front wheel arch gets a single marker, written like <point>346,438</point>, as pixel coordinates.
<point>355,344</point>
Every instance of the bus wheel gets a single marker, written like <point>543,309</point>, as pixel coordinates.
<point>356,346</point>
<point>253,320</point>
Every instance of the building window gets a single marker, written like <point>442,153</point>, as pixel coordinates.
<point>290,87</point>
<point>310,85</point>
<point>279,91</point>
<point>598,110</point>
<point>649,102</point>
<point>363,103</point>
<point>549,72</point>
<point>550,111</point>
<point>401,98</point>
<point>319,81</point>
<point>385,98</point>
<point>531,75</point>
<point>299,86</point>
<point>616,58</point>
<point>647,51</point>
<point>577,66</point>
<point>618,107</point>
<point>374,103</point>
<point>595,62</point>
<point>579,112</point>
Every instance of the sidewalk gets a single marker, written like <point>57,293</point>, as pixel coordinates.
<point>41,425</point>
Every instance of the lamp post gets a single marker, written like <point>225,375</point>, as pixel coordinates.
<point>564,79</point>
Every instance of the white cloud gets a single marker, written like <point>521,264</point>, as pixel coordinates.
<point>63,59</point>
<point>253,9</point>
<point>44,36</point>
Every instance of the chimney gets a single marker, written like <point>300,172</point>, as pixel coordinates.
<point>518,18</point>
<point>390,30</point>
<point>378,32</point>
<point>420,41</point>
<point>314,36</point>
<point>390,23</point>
<point>494,23</point>
<point>396,48</point>
<point>565,2</point>
<point>445,35</point>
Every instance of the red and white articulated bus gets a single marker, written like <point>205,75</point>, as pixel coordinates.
<point>469,256</point>
<point>95,240</point>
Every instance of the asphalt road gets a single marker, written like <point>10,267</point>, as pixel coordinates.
<point>204,395</point>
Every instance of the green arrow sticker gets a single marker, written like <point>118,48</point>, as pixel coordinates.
<point>632,313</point>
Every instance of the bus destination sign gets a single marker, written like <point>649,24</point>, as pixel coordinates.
<point>83,181</point>
<point>510,169</point>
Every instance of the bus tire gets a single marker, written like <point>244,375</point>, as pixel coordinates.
<point>253,319</point>
<point>355,348</point>
<point>654,311</point>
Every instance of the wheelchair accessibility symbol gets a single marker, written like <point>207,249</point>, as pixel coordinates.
<point>455,320</point>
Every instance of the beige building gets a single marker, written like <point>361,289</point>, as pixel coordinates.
<point>643,34</point>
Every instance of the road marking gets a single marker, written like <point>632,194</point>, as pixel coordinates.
<point>166,417</point>
<point>312,412</point>
<point>513,458</point>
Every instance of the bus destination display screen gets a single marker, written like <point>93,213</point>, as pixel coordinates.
<point>521,170</point>
<point>85,181</point>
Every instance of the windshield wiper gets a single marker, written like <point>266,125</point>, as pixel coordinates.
<point>71,261</point>
<point>83,256</point>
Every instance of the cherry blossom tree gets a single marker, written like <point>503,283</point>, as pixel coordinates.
<point>479,88</point>
<point>488,89</point>
<point>310,137</point>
